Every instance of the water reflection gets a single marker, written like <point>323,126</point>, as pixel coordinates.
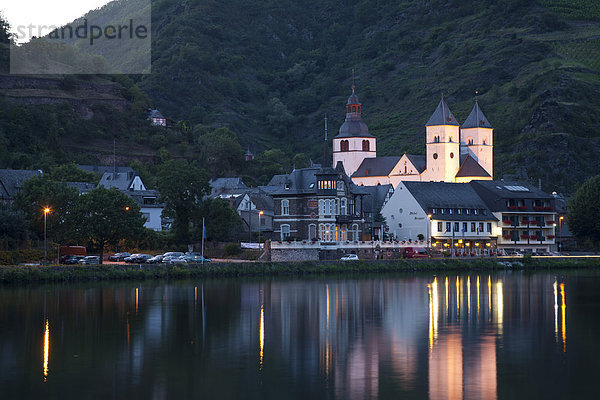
<point>418,336</point>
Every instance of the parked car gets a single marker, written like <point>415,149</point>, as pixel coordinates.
<point>414,252</point>
<point>131,257</point>
<point>195,258</point>
<point>71,259</point>
<point>349,257</point>
<point>119,256</point>
<point>167,257</point>
<point>139,258</point>
<point>90,260</point>
<point>155,260</point>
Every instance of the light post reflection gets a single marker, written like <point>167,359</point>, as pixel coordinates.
<point>46,350</point>
<point>563,309</point>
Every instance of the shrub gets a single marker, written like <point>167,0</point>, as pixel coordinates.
<point>232,249</point>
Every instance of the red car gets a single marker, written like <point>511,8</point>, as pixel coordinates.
<point>414,252</point>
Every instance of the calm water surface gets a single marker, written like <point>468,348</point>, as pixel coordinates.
<point>478,336</point>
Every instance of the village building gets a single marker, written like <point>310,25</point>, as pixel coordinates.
<point>131,184</point>
<point>12,180</point>
<point>157,118</point>
<point>454,153</point>
<point>317,204</point>
<point>527,218</point>
<point>449,216</point>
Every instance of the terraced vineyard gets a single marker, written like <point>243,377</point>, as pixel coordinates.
<point>583,51</point>
<point>574,9</point>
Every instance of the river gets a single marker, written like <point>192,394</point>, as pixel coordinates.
<point>499,335</point>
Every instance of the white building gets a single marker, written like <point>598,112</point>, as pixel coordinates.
<point>454,153</point>
<point>451,214</point>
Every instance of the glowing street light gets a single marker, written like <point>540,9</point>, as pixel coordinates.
<point>260,213</point>
<point>46,211</point>
<point>560,220</point>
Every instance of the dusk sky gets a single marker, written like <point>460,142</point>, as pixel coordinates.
<point>43,12</point>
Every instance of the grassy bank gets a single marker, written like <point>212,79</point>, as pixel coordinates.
<point>24,274</point>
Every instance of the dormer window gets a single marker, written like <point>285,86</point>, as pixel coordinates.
<point>287,186</point>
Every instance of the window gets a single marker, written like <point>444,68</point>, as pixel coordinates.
<point>467,211</point>
<point>433,211</point>
<point>312,232</point>
<point>450,211</point>
<point>459,211</point>
<point>442,211</point>
<point>285,232</point>
<point>448,226</point>
<point>464,228</point>
<point>440,226</point>
<point>472,226</point>
<point>355,232</point>
<point>344,145</point>
<point>435,156</point>
<point>342,206</point>
<point>481,227</point>
<point>344,233</point>
<point>337,207</point>
<point>489,227</point>
<point>450,138</point>
<point>475,211</point>
<point>285,207</point>
<point>456,227</point>
<point>365,145</point>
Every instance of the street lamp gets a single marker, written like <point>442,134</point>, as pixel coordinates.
<point>429,234</point>
<point>560,220</point>
<point>260,213</point>
<point>46,211</point>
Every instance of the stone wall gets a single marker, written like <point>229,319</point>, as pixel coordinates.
<point>295,254</point>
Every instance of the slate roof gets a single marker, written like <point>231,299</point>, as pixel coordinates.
<point>227,186</point>
<point>155,114</point>
<point>419,161</point>
<point>471,168</point>
<point>495,193</point>
<point>82,187</point>
<point>476,119</point>
<point>442,116</point>
<point>353,126</point>
<point>304,181</point>
<point>445,195</point>
<point>139,195</point>
<point>261,201</point>
<point>376,166</point>
<point>376,197</point>
<point>12,180</point>
<point>119,181</point>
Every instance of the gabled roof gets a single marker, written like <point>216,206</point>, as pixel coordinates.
<point>82,187</point>
<point>261,201</point>
<point>376,166</point>
<point>118,180</point>
<point>155,114</point>
<point>471,168</point>
<point>419,161</point>
<point>494,190</point>
<point>438,195</point>
<point>377,196</point>
<point>476,119</point>
<point>442,116</point>
<point>12,180</point>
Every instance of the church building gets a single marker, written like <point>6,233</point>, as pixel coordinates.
<point>454,153</point>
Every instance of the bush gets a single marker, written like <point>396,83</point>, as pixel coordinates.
<point>232,249</point>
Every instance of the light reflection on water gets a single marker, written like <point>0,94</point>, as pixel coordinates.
<point>447,336</point>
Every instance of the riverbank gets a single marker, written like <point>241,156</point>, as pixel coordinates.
<point>25,274</point>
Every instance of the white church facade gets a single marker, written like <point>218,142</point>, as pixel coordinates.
<point>454,153</point>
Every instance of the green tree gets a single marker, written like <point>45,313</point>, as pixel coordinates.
<point>220,219</point>
<point>70,173</point>
<point>41,192</point>
<point>103,217</point>
<point>182,186</point>
<point>583,217</point>
<point>221,152</point>
<point>13,228</point>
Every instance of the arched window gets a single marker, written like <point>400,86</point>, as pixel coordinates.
<point>484,140</point>
<point>354,231</point>
<point>285,207</point>
<point>450,138</point>
<point>344,145</point>
<point>285,232</point>
<point>312,232</point>
<point>365,145</point>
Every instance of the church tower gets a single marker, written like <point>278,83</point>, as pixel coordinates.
<point>353,143</point>
<point>477,139</point>
<point>443,145</point>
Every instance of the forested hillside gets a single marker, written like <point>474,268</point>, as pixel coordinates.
<point>270,71</point>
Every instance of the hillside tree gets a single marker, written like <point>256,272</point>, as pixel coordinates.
<point>583,217</point>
